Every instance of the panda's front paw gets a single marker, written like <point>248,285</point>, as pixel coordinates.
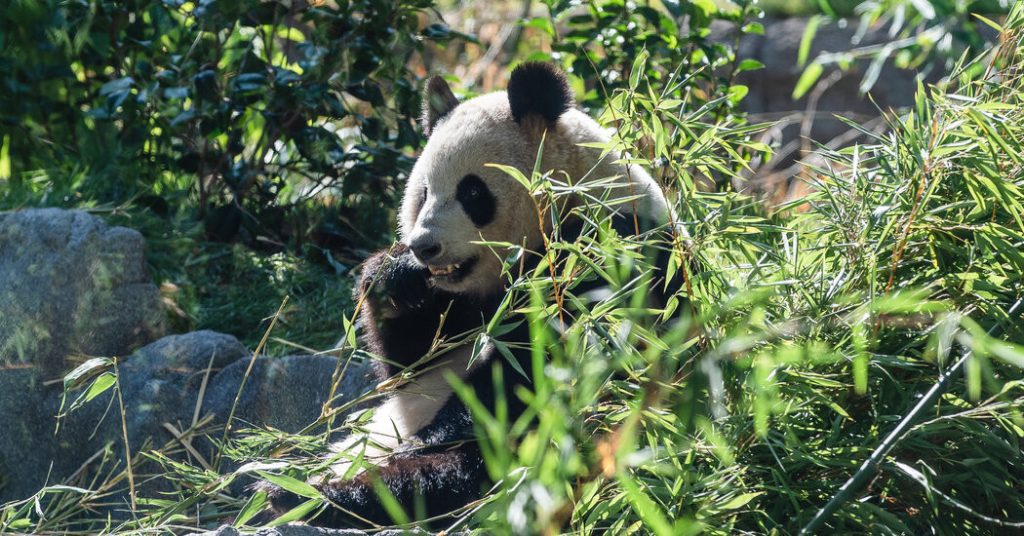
<point>279,501</point>
<point>395,282</point>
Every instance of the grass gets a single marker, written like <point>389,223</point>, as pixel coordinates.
<point>223,286</point>
<point>806,335</point>
<point>231,288</point>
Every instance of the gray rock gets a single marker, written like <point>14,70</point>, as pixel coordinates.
<point>161,381</point>
<point>287,393</point>
<point>771,88</point>
<point>26,443</point>
<point>797,122</point>
<point>160,385</point>
<point>70,284</point>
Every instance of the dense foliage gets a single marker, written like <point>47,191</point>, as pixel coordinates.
<point>805,333</point>
<point>248,108</point>
<point>603,43</point>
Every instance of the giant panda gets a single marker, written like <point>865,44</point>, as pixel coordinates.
<point>420,439</point>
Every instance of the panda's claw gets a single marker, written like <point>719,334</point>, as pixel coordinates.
<point>395,282</point>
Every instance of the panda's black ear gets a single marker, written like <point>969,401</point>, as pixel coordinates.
<point>539,88</point>
<point>438,101</point>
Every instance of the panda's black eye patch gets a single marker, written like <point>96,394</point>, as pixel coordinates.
<point>476,199</point>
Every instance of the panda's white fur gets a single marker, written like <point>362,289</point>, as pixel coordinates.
<point>406,411</point>
<point>498,128</point>
<point>482,131</point>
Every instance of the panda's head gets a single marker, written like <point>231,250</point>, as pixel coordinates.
<point>454,200</point>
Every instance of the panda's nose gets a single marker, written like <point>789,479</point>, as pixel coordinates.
<point>425,249</point>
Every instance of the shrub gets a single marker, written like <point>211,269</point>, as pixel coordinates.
<point>251,107</point>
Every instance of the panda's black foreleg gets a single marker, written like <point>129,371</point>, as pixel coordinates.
<point>399,319</point>
<point>399,311</point>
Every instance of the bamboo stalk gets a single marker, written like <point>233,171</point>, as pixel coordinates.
<point>868,469</point>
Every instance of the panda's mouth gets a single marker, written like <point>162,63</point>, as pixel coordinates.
<point>452,272</point>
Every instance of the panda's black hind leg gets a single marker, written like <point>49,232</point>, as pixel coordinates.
<point>425,485</point>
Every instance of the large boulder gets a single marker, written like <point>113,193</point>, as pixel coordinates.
<point>838,93</point>
<point>771,88</point>
<point>160,387</point>
<point>72,285</point>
